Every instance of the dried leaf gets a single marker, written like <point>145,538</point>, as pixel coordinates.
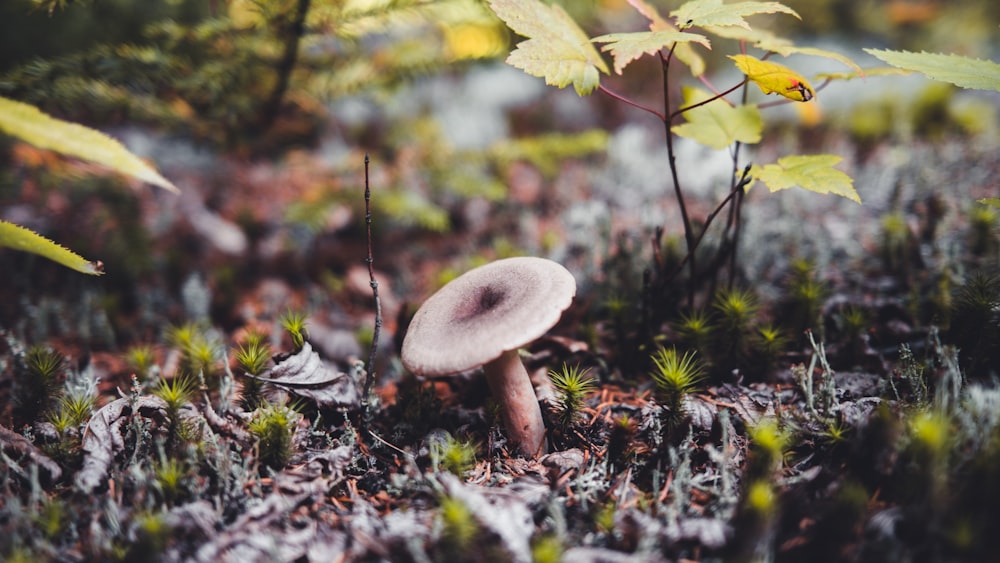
<point>104,437</point>
<point>776,78</point>
<point>718,124</point>
<point>306,375</point>
<point>556,48</point>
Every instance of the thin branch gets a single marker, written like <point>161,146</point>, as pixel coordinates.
<point>672,160</point>
<point>627,101</point>
<point>370,372</point>
<point>709,100</point>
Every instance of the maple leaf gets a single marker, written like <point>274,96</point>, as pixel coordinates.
<point>703,13</point>
<point>776,78</point>
<point>718,124</point>
<point>556,49</point>
<point>960,71</point>
<point>991,201</point>
<point>815,173</point>
<point>683,51</point>
<point>627,47</point>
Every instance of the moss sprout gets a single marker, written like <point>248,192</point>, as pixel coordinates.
<point>141,359</point>
<point>676,376</point>
<point>453,455</point>
<point>695,329</point>
<point>294,323</point>
<point>572,386</point>
<point>458,527</point>
<point>273,427</point>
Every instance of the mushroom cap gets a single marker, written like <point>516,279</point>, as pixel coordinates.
<point>485,312</point>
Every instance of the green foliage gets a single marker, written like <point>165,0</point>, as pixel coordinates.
<point>28,123</point>
<point>961,71</point>
<point>200,352</point>
<point>556,48</point>
<point>175,392</point>
<point>26,240</point>
<point>546,152</point>
<point>141,359</point>
<point>36,386</point>
<point>547,549</point>
<point>704,13</point>
<point>294,323</point>
<point>717,124</point>
<point>273,427</point>
<point>572,386</point>
<point>627,47</point>
<point>458,527</point>
<point>695,329</point>
<point>676,376</point>
<point>253,354</point>
<point>815,173</point>
<point>453,455</point>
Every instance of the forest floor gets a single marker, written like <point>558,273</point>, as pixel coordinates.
<point>879,440</point>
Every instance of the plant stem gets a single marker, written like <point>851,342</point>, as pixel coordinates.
<point>672,160</point>
<point>627,101</point>
<point>370,372</point>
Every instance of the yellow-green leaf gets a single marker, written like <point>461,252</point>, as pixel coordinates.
<point>865,73</point>
<point>960,71</point>
<point>703,13</point>
<point>20,238</point>
<point>991,201</point>
<point>683,51</point>
<point>774,77</point>
<point>815,173</point>
<point>556,49</point>
<point>28,123</point>
<point>718,124</point>
<point>627,47</point>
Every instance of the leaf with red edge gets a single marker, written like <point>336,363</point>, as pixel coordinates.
<point>776,78</point>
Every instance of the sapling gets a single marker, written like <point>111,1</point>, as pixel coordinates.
<point>558,50</point>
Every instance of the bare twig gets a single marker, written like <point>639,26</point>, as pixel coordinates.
<point>370,372</point>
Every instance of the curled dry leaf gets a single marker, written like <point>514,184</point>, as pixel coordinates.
<point>104,437</point>
<point>305,374</point>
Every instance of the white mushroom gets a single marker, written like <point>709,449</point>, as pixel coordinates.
<point>481,318</point>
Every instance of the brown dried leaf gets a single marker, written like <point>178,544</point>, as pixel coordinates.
<point>306,375</point>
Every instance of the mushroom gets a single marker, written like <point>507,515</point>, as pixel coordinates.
<point>481,318</point>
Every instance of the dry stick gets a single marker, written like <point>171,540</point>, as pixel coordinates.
<point>370,372</point>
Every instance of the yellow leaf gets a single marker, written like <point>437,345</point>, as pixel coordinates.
<point>773,77</point>
<point>28,123</point>
<point>20,238</point>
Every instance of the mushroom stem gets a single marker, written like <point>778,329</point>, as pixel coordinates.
<point>511,387</point>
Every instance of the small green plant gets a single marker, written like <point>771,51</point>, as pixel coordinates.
<point>676,376</point>
<point>37,385</point>
<point>200,353</point>
<point>735,310</point>
<point>141,359</point>
<point>768,443</point>
<point>252,355</point>
<point>806,294</point>
<point>695,329</point>
<point>175,392</point>
<point>767,344</point>
<point>459,528</point>
<point>170,475</point>
<point>273,426</point>
<point>453,455</point>
<point>547,549</point>
<point>294,322</point>
<point>572,386</point>
<point>562,53</point>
